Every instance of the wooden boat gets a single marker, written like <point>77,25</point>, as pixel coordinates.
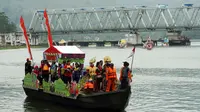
<point>58,92</point>
<point>107,101</point>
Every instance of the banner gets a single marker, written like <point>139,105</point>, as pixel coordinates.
<point>50,40</point>
<point>23,28</point>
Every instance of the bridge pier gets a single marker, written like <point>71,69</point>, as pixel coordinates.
<point>35,39</point>
<point>134,38</point>
<point>137,38</point>
<point>174,35</point>
<point>2,40</point>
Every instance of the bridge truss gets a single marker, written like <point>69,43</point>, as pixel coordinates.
<point>138,19</point>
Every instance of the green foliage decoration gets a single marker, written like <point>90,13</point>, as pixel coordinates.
<point>60,88</point>
<point>80,60</point>
<point>82,82</point>
<point>46,86</point>
<point>30,80</point>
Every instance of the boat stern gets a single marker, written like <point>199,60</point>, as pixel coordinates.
<point>114,101</point>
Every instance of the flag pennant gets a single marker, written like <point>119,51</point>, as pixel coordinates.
<point>132,53</point>
<point>50,40</point>
<point>23,28</point>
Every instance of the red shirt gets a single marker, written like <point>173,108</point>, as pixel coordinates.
<point>68,69</point>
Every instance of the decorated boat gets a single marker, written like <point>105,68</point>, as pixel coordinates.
<point>148,44</point>
<point>122,43</point>
<point>58,92</point>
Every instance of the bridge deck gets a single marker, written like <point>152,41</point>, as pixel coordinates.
<point>118,20</point>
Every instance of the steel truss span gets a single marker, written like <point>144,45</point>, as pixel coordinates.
<point>138,19</point>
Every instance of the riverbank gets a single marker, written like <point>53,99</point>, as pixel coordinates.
<point>23,46</point>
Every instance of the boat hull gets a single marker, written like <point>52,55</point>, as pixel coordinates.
<point>112,101</point>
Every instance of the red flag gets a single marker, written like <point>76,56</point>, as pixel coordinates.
<point>50,40</point>
<point>23,28</point>
<point>133,50</point>
<point>132,53</point>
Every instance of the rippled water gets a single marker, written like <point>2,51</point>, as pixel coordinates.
<point>165,80</point>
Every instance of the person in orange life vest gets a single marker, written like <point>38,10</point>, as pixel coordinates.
<point>107,60</point>
<point>89,86</point>
<point>68,73</point>
<point>111,77</point>
<point>99,77</point>
<point>104,82</point>
<point>45,70</point>
<point>73,89</point>
<point>125,76</point>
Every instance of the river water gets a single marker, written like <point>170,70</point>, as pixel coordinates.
<point>165,79</point>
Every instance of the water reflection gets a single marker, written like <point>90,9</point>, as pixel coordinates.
<point>33,105</point>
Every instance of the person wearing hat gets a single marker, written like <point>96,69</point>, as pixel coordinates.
<point>125,75</point>
<point>107,61</point>
<point>92,69</point>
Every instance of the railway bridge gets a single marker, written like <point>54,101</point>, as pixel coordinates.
<point>118,19</point>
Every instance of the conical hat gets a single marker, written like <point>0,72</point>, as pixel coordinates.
<point>107,58</point>
<point>62,41</point>
<point>93,60</point>
<point>90,79</point>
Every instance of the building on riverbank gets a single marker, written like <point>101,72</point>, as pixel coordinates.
<point>17,39</point>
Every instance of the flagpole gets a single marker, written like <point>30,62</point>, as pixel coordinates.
<point>132,54</point>
<point>132,63</point>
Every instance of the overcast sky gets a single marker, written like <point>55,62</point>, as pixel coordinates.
<point>41,4</point>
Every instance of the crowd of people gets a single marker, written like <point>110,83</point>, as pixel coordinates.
<point>102,77</point>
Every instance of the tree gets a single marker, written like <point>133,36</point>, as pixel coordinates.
<point>5,25</point>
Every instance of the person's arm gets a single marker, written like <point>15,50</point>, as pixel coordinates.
<point>130,75</point>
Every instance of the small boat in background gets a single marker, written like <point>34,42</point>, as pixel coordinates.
<point>107,44</point>
<point>122,43</point>
<point>148,44</point>
<point>92,45</point>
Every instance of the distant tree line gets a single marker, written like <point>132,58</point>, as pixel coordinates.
<point>6,26</point>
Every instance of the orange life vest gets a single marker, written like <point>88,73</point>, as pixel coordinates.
<point>111,73</point>
<point>89,85</point>
<point>45,67</point>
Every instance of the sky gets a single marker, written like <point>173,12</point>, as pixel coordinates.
<point>40,4</point>
<point>15,8</point>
